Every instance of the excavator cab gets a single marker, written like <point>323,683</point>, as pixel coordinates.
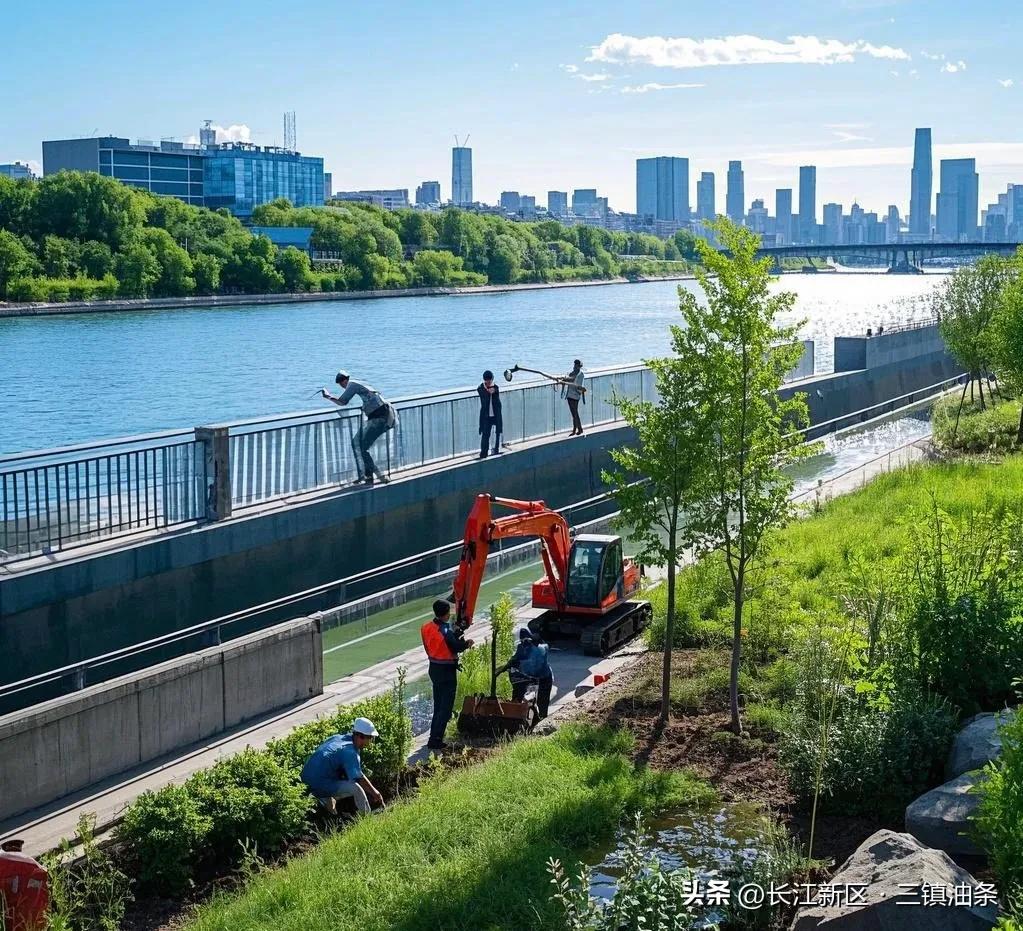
<point>595,571</point>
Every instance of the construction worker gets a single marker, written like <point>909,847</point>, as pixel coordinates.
<point>530,663</point>
<point>335,769</point>
<point>572,390</point>
<point>380,417</point>
<point>442,644</point>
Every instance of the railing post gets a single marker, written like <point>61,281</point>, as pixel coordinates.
<point>218,471</point>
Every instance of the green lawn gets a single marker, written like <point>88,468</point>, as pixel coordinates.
<point>469,851</point>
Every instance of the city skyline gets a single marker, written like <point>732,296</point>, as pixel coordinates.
<point>548,108</point>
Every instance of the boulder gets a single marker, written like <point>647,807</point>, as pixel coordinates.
<point>883,866</point>
<point>976,744</point>
<point>941,818</point>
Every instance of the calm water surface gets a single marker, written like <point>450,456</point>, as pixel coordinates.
<point>75,378</point>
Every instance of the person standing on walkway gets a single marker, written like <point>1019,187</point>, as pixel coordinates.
<point>490,414</point>
<point>380,417</point>
<point>335,769</point>
<point>442,644</point>
<point>528,664</point>
<point>572,390</point>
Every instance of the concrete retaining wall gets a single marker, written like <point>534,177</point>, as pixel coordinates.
<point>853,353</point>
<point>68,743</point>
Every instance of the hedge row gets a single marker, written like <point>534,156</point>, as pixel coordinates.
<point>254,798</point>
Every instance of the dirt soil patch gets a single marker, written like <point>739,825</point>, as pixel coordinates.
<point>741,768</point>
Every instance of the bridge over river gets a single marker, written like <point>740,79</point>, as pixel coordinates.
<point>903,257</point>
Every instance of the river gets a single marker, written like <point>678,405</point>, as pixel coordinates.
<point>74,378</point>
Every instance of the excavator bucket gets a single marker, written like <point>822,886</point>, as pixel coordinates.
<point>488,715</point>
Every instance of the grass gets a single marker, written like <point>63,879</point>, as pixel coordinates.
<point>992,429</point>
<point>469,851</point>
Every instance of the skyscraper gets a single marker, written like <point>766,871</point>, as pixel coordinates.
<point>892,224</point>
<point>957,200</point>
<point>461,175</point>
<point>735,196</point>
<point>807,204</point>
<point>510,201</point>
<point>920,181</point>
<point>832,224</point>
<point>428,193</point>
<point>584,202</point>
<point>557,203</point>
<point>705,203</point>
<point>662,188</point>
<point>783,214</point>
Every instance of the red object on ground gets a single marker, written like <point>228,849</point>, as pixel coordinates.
<point>599,678</point>
<point>25,888</point>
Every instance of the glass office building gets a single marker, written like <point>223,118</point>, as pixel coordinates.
<point>173,168</point>
<point>241,176</point>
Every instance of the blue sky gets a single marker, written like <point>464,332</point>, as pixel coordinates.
<point>555,95</point>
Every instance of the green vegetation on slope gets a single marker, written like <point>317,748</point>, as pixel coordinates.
<point>80,236</point>
<point>469,851</point>
<point>992,428</point>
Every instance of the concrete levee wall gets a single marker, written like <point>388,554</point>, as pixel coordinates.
<point>83,607</point>
<point>853,353</point>
<point>65,744</point>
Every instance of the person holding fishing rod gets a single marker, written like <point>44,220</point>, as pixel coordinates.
<point>380,417</point>
<point>572,390</point>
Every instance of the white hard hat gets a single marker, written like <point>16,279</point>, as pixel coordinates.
<point>365,727</point>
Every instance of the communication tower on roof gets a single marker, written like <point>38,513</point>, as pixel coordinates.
<point>290,136</point>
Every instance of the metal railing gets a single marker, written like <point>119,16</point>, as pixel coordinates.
<point>58,498</point>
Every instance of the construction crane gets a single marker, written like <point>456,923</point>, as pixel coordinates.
<point>587,581</point>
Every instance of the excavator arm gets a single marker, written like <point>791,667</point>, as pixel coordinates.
<point>533,519</point>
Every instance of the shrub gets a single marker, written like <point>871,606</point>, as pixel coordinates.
<point>878,757</point>
<point>249,796</point>
<point>999,819</point>
<point>993,428</point>
<point>28,289</point>
<point>164,833</point>
<point>474,678</point>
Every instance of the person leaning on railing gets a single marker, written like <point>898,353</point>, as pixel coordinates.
<point>572,390</point>
<point>380,417</point>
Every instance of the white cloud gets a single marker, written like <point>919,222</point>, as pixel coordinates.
<point>654,86</point>
<point>684,52</point>
<point>1006,82</point>
<point>953,67</point>
<point>571,69</point>
<point>931,57</point>
<point>236,132</point>
<point>844,135</point>
<point>894,74</point>
<point>600,76</point>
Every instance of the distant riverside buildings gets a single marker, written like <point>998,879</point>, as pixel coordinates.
<point>735,196</point>
<point>585,202</point>
<point>510,201</point>
<point>428,193</point>
<point>705,202</point>
<point>19,171</point>
<point>783,215</point>
<point>328,186</point>
<point>807,204</point>
<point>557,203</point>
<point>527,207</point>
<point>920,180</point>
<point>236,175</point>
<point>662,188</point>
<point>461,176</point>
<point>396,199</point>
<point>958,200</point>
<point>1003,220</point>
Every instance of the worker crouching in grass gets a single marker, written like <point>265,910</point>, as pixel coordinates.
<point>335,769</point>
<point>530,663</point>
<point>442,644</point>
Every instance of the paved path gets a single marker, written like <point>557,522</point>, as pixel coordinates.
<point>43,829</point>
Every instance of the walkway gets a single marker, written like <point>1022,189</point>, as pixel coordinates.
<point>43,829</point>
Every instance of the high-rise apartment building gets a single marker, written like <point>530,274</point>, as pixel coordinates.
<point>957,200</point>
<point>428,193</point>
<point>807,204</point>
<point>706,208</point>
<point>892,224</point>
<point>510,201</point>
<point>585,203</point>
<point>920,183</point>
<point>783,215</point>
<point>557,203</point>
<point>461,176</point>
<point>735,195</point>
<point>832,224</point>
<point>662,188</point>
<point>527,207</point>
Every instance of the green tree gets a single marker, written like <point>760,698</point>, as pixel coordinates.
<point>206,269</point>
<point>655,480</point>
<point>15,260</point>
<point>430,269</point>
<point>17,202</point>
<point>505,261</point>
<point>1007,335</point>
<point>294,265</point>
<point>175,279</point>
<point>61,257</point>
<point>740,356</point>
<point>84,205</point>
<point>137,271</point>
<point>417,228</point>
<point>250,268</point>
<point>96,259</point>
<point>965,303</point>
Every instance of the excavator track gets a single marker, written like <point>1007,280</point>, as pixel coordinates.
<point>599,636</point>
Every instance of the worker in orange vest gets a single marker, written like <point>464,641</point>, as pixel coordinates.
<point>442,644</point>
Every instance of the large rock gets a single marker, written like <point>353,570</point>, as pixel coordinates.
<point>941,818</point>
<point>883,865</point>
<point>976,744</point>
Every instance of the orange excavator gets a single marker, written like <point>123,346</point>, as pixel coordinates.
<point>587,585</point>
